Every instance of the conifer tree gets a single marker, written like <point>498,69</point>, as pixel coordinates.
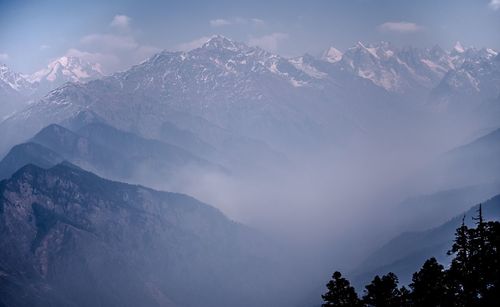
<point>340,292</point>
<point>473,278</point>
<point>383,292</point>
<point>460,274</point>
<point>429,286</point>
<point>491,295</point>
<point>405,297</point>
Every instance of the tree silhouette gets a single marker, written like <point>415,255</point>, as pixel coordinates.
<point>429,286</point>
<point>462,276</point>
<point>405,297</point>
<point>383,291</point>
<point>490,290</point>
<point>340,292</point>
<point>473,278</point>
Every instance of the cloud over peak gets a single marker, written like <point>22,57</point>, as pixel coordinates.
<point>114,49</point>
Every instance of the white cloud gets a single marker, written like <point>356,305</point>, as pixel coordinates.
<point>196,43</point>
<point>257,21</point>
<point>44,47</point>
<point>95,57</point>
<point>221,22</point>
<point>269,42</point>
<point>400,27</point>
<point>121,22</point>
<point>113,51</point>
<point>4,56</point>
<point>494,4</point>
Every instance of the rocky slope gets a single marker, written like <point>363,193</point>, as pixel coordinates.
<point>70,238</point>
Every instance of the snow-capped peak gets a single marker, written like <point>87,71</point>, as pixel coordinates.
<point>66,69</point>
<point>458,47</point>
<point>13,79</point>
<point>332,55</point>
<point>491,52</point>
<point>366,49</point>
<point>221,42</point>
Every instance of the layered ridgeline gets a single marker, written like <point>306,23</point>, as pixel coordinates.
<point>463,176</point>
<point>452,182</point>
<point>230,95</point>
<point>70,238</point>
<point>476,162</point>
<point>404,254</point>
<point>108,152</point>
<point>17,90</point>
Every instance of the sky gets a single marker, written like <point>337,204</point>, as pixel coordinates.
<point>118,34</point>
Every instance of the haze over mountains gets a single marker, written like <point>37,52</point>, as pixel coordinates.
<point>244,87</point>
<point>313,152</point>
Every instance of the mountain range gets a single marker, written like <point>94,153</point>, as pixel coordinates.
<point>17,90</point>
<point>226,90</point>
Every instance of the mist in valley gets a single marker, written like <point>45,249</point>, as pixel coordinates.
<point>243,167</point>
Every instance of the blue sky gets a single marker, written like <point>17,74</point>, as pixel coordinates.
<point>122,33</point>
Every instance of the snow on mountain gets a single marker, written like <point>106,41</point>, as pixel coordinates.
<point>332,55</point>
<point>18,90</point>
<point>221,86</point>
<point>478,75</point>
<point>14,90</point>
<point>407,70</point>
<point>458,48</point>
<point>228,86</point>
<point>380,64</point>
<point>67,69</point>
<point>304,64</point>
<point>14,80</point>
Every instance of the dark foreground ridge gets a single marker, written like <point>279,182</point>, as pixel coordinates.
<point>71,238</point>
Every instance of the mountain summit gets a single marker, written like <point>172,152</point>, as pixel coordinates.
<point>67,69</point>
<point>222,42</point>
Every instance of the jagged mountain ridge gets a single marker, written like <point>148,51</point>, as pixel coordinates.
<point>244,90</point>
<point>17,90</point>
<point>67,69</point>
<point>226,90</point>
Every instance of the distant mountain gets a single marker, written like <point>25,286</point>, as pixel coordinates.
<point>70,238</point>
<point>474,163</point>
<point>478,77</point>
<point>62,70</point>
<point>332,55</point>
<point>425,211</point>
<point>17,90</point>
<point>221,92</point>
<point>251,102</point>
<point>14,90</point>
<point>109,152</point>
<point>410,70</point>
<point>27,153</point>
<point>407,252</point>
